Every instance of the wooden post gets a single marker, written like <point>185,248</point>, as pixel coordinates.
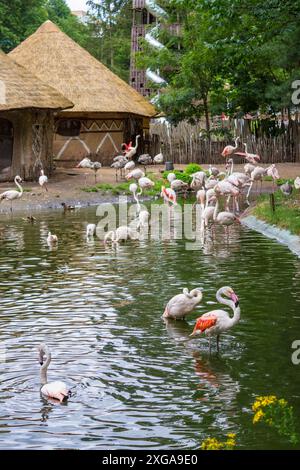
<point>272,202</point>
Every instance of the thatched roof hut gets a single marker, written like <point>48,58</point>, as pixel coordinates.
<point>103,103</point>
<point>26,110</point>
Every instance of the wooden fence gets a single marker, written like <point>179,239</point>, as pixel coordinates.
<point>187,143</point>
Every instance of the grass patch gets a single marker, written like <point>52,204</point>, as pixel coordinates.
<point>123,188</point>
<point>287,211</point>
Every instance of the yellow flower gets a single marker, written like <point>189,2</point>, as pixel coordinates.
<point>258,416</point>
<point>282,402</point>
<point>231,435</point>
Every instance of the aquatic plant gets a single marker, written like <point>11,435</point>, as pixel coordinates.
<point>277,413</point>
<point>211,443</point>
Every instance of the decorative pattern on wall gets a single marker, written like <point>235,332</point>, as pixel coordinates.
<point>100,137</point>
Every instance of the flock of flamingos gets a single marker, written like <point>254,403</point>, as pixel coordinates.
<point>209,189</point>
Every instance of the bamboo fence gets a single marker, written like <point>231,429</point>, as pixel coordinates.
<point>275,142</point>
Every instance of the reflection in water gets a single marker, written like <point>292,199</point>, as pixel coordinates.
<point>138,382</point>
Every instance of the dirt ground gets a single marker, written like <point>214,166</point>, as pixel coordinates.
<point>66,186</point>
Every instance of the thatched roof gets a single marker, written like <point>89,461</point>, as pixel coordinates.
<point>19,89</point>
<point>60,62</point>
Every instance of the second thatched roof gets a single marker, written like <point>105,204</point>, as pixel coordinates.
<point>19,89</point>
<point>61,63</point>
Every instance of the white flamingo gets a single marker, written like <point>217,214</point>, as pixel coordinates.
<point>179,185</point>
<point>225,218</point>
<point>198,180</point>
<point>225,188</point>
<point>297,182</point>
<point>171,177</point>
<point>257,175</point>
<point>248,168</point>
<point>158,159</point>
<point>218,321</point>
<point>135,174</point>
<point>145,183</point>
<point>90,230</point>
<point>57,390</point>
<point>273,173</point>
<point>133,188</point>
<point>131,153</point>
<point>182,304</point>
<point>143,219</point>
<point>122,233</point>
<point>208,212</point>
<point>129,166</point>
<point>52,239</point>
<point>43,180</point>
<point>252,158</point>
<point>13,194</point>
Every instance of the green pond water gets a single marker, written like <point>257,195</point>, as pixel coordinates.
<point>136,383</point>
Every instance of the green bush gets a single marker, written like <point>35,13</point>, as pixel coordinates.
<point>192,168</point>
<point>179,175</point>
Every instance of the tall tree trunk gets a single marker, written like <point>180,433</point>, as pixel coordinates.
<point>206,111</point>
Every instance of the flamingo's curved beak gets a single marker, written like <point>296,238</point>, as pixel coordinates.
<point>235,299</point>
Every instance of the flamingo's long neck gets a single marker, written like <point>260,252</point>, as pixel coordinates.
<point>136,142</point>
<point>216,210</point>
<point>236,143</point>
<point>236,309</point>
<point>19,186</point>
<point>44,368</point>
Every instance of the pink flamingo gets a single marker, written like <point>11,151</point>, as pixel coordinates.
<point>225,188</point>
<point>183,304</point>
<point>225,218</point>
<point>257,175</point>
<point>208,212</point>
<point>218,321</point>
<point>57,390</point>
<point>229,149</point>
<point>250,157</point>
<point>273,172</point>
<point>169,195</point>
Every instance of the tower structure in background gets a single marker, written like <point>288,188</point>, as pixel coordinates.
<point>141,19</point>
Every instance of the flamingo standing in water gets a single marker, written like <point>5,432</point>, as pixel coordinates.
<point>182,304</point>
<point>13,194</point>
<point>57,390</point>
<point>90,230</point>
<point>225,218</point>
<point>133,188</point>
<point>169,195</point>
<point>52,239</point>
<point>225,188</point>
<point>122,233</point>
<point>217,321</point>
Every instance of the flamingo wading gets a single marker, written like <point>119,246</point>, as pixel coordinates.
<point>57,390</point>
<point>218,321</point>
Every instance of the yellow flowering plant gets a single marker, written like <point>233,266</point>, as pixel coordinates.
<point>211,443</point>
<point>277,413</point>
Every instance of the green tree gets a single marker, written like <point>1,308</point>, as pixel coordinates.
<point>111,25</point>
<point>19,19</point>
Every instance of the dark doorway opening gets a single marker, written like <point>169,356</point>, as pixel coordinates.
<point>6,145</point>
